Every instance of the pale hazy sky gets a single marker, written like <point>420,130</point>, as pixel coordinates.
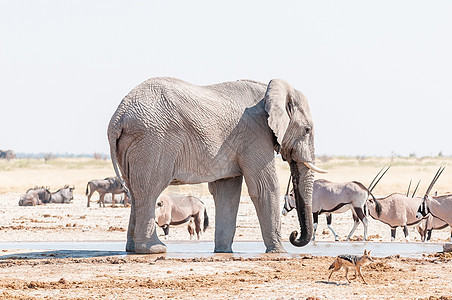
<point>377,74</point>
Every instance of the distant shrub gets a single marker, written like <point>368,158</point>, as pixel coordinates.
<point>48,156</point>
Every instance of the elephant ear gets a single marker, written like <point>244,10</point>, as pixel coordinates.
<point>278,105</point>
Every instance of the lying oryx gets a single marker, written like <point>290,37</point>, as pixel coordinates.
<point>63,195</point>
<point>103,186</point>
<point>180,210</point>
<point>331,197</point>
<point>428,224</point>
<point>439,207</point>
<point>35,196</point>
<point>119,199</point>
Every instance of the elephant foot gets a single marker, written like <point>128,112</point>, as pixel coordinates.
<point>130,246</point>
<point>146,248</point>
<point>275,250</point>
<point>223,249</point>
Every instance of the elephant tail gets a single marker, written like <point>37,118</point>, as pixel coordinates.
<point>206,220</point>
<point>87,190</point>
<point>114,134</point>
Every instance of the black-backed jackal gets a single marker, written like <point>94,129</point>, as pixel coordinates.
<point>347,261</point>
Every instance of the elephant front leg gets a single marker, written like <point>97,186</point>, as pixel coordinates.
<point>226,193</point>
<point>266,203</point>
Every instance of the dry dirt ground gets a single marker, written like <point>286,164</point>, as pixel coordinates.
<point>46,275</point>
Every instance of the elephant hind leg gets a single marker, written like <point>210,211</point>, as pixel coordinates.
<point>226,194</point>
<point>146,184</point>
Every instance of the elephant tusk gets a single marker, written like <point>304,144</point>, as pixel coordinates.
<point>314,168</point>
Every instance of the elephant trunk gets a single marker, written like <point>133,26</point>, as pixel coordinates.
<point>303,180</point>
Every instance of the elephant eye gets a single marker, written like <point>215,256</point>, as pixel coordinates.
<point>307,130</point>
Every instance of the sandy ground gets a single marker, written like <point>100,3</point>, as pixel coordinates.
<point>45,276</point>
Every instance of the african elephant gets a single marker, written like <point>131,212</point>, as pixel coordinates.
<point>167,131</point>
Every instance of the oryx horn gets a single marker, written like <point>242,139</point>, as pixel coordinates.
<point>438,173</point>
<point>371,187</point>
<point>375,177</point>
<point>408,192</point>
<point>414,193</point>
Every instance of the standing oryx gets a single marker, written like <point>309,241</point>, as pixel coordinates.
<point>173,210</point>
<point>103,186</point>
<point>331,197</point>
<point>439,207</point>
<point>397,210</point>
<point>428,224</point>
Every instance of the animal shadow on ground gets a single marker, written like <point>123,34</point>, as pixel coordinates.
<point>332,282</point>
<point>60,254</point>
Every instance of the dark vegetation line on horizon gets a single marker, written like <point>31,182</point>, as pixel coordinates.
<point>50,155</point>
<point>321,157</point>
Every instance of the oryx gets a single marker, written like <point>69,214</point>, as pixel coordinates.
<point>174,210</point>
<point>35,196</point>
<point>439,207</point>
<point>332,197</point>
<point>111,185</point>
<point>63,195</point>
<point>397,210</point>
<point>428,224</point>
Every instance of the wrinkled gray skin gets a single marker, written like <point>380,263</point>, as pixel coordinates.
<point>63,195</point>
<point>110,185</point>
<point>35,196</point>
<point>167,131</point>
